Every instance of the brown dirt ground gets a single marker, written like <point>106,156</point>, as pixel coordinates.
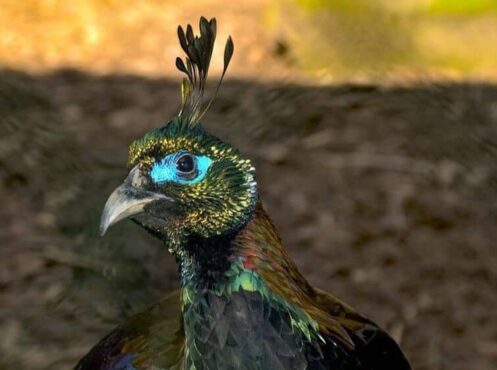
<point>383,196</point>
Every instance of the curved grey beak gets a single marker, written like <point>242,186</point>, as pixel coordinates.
<point>127,200</point>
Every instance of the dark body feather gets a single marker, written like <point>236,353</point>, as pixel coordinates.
<point>248,322</point>
<point>152,339</point>
<point>246,333</point>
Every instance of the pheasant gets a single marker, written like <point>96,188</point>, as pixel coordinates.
<point>243,304</point>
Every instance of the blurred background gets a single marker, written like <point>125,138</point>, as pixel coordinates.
<point>372,125</point>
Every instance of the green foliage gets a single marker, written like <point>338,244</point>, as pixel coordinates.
<point>462,6</point>
<point>379,38</point>
<point>433,6</point>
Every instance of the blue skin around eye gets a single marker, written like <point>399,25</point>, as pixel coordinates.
<point>165,170</point>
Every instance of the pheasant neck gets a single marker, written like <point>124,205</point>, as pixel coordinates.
<point>210,263</point>
<point>232,306</point>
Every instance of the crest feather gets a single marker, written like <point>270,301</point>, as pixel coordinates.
<point>198,50</point>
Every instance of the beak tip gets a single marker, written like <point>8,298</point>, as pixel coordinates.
<point>106,220</point>
<point>104,225</point>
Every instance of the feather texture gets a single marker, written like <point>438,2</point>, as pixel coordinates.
<point>198,50</point>
<point>263,316</point>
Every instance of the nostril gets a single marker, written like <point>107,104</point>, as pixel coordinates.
<point>136,179</point>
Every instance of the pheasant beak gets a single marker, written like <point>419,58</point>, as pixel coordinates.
<point>127,200</point>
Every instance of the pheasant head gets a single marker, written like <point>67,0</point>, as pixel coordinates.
<point>185,184</point>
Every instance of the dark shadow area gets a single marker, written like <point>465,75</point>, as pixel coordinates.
<point>384,196</point>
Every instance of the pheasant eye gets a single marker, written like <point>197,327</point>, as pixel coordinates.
<point>181,168</point>
<point>185,164</point>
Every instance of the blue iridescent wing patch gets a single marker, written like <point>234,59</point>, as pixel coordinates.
<point>124,363</point>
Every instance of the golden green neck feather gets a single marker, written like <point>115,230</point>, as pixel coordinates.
<point>255,260</point>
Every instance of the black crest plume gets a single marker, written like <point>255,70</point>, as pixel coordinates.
<point>198,50</point>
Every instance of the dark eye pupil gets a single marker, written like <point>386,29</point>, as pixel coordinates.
<point>185,164</point>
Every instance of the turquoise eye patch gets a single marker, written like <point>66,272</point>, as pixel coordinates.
<point>166,169</point>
